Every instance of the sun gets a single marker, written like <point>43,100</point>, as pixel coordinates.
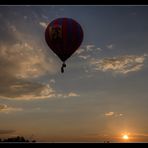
<point>125,137</point>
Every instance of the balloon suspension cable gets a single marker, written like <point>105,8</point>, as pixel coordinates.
<point>62,68</point>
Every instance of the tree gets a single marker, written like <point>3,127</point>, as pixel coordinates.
<point>16,139</point>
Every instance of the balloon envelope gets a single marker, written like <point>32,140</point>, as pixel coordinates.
<point>64,36</point>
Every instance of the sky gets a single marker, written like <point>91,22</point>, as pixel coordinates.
<point>101,96</point>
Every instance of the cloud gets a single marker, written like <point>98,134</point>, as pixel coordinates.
<point>90,47</point>
<point>79,51</point>
<point>113,114</point>
<point>118,115</point>
<point>84,56</point>
<point>22,61</point>
<point>140,135</point>
<point>19,64</point>
<point>99,49</point>
<point>39,92</point>
<point>71,94</point>
<point>19,89</point>
<point>13,28</point>
<point>110,46</point>
<point>43,24</point>
<point>52,81</point>
<point>27,50</point>
<point>6,109</point>
<point>87,51</point>
<point>28,91</point>
<point>6,131</point>
<point>109,114</point>
<point>121,64</point>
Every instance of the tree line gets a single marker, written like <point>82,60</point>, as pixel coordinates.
<point>16,139</point>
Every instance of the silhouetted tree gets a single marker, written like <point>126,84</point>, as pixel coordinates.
<point>16,139</point>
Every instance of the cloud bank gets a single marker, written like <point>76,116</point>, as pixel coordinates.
<point>121,64</point>
<point>22,62</point>
<point>113,114</point>
<point>7,109</point>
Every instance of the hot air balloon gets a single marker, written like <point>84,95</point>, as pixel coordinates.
<point>64,36</point>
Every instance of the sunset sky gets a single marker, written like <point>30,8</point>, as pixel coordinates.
<point>103,93</point>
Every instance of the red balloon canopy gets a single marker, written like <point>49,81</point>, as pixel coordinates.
<point>64,36</point>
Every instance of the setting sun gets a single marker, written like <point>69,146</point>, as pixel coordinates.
<point>125,137</point>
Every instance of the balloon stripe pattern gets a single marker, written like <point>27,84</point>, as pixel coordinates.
<point>64,36</point>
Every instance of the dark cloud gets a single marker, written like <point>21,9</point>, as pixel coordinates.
<point>23,58</point>
<point>19,64</point>
<point>23,90</point>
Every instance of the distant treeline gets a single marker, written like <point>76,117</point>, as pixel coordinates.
<point>16,139</point>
